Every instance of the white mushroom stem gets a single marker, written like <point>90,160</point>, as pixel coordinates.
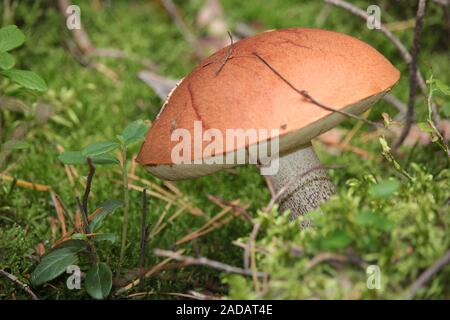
<point>303,182</point>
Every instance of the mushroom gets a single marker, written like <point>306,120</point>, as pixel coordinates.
<point>235,89</point>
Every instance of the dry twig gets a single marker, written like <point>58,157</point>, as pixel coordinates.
<point>202,261</point>
<point>331,256</point>
<point>413,73</point>
<point>144,238</point>
<point>19,283</point>
<point>310,99</point>
<point>156,268</point>
<point>174,13</point>
<point>428,274</point>
<point>403,51</point>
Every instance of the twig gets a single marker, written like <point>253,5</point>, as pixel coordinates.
<point>26,184</point>
<point>150,272</point>
<point>331,256</point>
<point>413,73</point>
<point>80,36</point>
<point>397,103</point>
<point>19,283</point>
<point>224,203</point>
<point>404,53</point>
<point>250,249</point>
<point>126,208</point>
<point>250,244</point>
<point>87,230</point>
<point>120,54</point>
<point>428,274</point>
<point>144,233</point>
<point>391,37</point>
<point>65,210</point>
<point>84,209</point>
<point>202,261</point>
<point>209,226</point>
<point>87,190</point>
<point>310,99</point>
<point>173,11</point>
<point>227,56</point>
<point>59,212</point>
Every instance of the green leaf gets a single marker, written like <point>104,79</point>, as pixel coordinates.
<point>56,262</point>
<point>108,207</point>
<point>25,78</point>
<point>442,87</point>
<point>76,157</point>
<point>79,236</point>
<point>10,37</point>
<point>15,145</point>
<point>7,61</point>
<point>105,159</point>
<point>111,237</point>
<point>385,188</point>
<point>372,219</point>
<point>99,281</point>
<point>134,132</point>
<point>72,157</point>
<point>99,148</point>
<point>337,239</point>
<point>425,127</point>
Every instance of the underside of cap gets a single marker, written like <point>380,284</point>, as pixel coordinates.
<point>287,142</point>
<point>234,89</point>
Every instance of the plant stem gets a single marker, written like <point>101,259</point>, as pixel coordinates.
<point>126,203</point>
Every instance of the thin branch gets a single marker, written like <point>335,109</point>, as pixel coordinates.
<point>403,51</point>
<point>428,274</point>
<point>413,73</point>
<point>202,261</point>
<point>227,56</point>
<point>250,245</point>
<point>188,35</point>
<point>397,103</point>
<point>331,256</point>
<point>120,54</point>
<point>144,238</point>
<point>151,271</point>
<point>84,210</point>
<point>80,36</point>
<point>250,255</point>
<point>19,283</point>
<point>224,203</point>
<point>310,99</point>
<point>87,190</point>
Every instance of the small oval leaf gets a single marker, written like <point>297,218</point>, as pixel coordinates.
<point>55,263</point>
<point>99,281</point>
<point>72,157</point>
<point>107,208</point>
<point>25,78</point>
<point>10,37</point>
<point>99,148</point>
<point>7,61</point>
